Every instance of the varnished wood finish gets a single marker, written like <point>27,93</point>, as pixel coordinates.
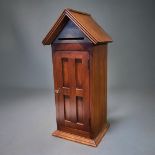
<point>72,80</point>
<point>79,54</point>
<point>89,27</point>
<point>72,47</point>
<point>80,139</point>
<point>83,21</point>
<point>98,88</point>
<point>96,107</point>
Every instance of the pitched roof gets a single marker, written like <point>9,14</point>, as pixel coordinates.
<point>83,21</point>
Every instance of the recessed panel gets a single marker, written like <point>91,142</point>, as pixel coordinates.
<point>67,107</point>
<point>65,72</point>
<point>78,73</point>
<point>73,81</point>
<point>79,108</point>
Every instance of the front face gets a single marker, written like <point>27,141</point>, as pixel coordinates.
<point>71,75</point>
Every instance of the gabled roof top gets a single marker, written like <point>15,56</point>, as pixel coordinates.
<point>83,21</point>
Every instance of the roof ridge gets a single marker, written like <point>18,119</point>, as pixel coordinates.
<point>80,12</point>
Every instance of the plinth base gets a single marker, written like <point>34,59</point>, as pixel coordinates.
<point>80,139</point>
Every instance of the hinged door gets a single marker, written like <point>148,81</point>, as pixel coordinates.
<point>71,76</point>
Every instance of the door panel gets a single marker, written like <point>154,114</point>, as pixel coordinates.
<point>71,74</point>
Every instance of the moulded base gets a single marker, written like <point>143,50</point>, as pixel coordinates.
<point>80,139</point>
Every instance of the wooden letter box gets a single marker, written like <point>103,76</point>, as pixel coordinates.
<point>79,53</point>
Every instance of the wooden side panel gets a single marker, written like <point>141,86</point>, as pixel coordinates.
<point>98,87</point>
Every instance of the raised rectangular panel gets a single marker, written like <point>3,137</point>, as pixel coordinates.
<point>79,108</point>
<point>67,107</point>
<point>78,73</point>
<point>65,75</point>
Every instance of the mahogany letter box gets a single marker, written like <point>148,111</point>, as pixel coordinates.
<point>79,53</point>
